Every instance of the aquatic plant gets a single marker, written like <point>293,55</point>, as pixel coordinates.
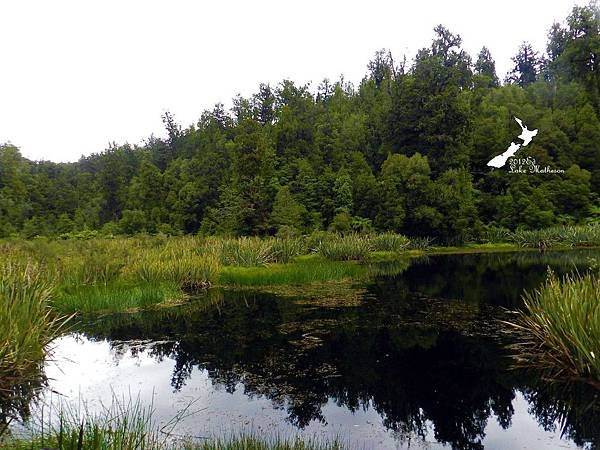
<point>420,243</point>
<point>569,236</point>
<point>128,424</point>
<point>560,328</point>
<point>246,251</point>
<point>123,425</point>
<point>389,242</point>
<point>300,272</point>
<point>346,248</point>
<point>190,272</point>
<point>257,442</point>
<point>115,297</point>
<point>287,249</point>
<point>27,324</point>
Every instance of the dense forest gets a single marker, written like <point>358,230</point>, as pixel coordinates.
<point>405,150</point>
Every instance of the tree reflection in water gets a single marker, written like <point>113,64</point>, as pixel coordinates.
<point>423,347</point>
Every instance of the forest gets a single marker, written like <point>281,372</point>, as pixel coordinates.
<point>405,150</point>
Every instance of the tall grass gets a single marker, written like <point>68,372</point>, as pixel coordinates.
<point>127,424</point>
<point>561,328</point>
<point>346,248</point>
<point>301,272</point>
<point>245,251</point>
<point>568,236</point>
<point>27,324</point>
<point>390,242</point>
<point>123,425</point>
<point>256,442</point>
<point>116,297</point>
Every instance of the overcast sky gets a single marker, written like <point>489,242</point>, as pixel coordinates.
<point>76,75</point>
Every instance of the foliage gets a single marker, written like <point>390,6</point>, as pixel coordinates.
<point>561,327</point>
<point>27,324</point>
<point>404,151</point>
<point>346,248</point>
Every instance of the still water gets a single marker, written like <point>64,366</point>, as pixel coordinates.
<point>414,359</point>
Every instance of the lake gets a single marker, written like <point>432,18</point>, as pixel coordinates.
<point>416,358</point>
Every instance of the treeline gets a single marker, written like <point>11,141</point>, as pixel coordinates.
<point>405,150</point>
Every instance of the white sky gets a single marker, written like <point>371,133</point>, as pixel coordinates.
<point>76,75</point>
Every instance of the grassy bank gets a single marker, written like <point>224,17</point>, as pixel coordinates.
<point>128,274</point>
<point>560,329</point>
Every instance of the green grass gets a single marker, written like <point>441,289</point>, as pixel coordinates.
<point>127,274</point>
<point>127,424</point>
<point>304,271</point>
<point>250,442</point>
<point>561,328</point>
<point>27,324</point>
<point>346,248</point>
<point>566,236</point>
<point>116,297</point>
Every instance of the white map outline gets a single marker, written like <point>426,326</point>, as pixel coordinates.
<point>526,136</point>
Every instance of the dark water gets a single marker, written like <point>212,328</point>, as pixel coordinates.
<point>417,359</point>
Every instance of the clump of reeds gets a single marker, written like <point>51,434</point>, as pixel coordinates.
<point>190,273</point>
<point>128,424</point>
<point>568,236</point>
<point>246,251</point>
<point>390,242</point>
<point>123,425</point>
<point>256,442</point>
<point>346,248</point>
<point>560,328</point>
<point>27,324</point>
<point>286,249</point>
<point>420,243</point>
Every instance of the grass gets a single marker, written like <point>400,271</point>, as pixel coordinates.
<point>116,297</point>
<point>561,328</point>
<point>250,442</point>
<point>130,425</point>
<point>27,324</point>
<point>566,236</point>
<point>309,270</point>
<point>127,274</point>
<point>352,247</point>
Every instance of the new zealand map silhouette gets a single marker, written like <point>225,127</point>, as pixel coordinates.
<point>526,136</point>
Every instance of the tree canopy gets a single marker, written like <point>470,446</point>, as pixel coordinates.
<point>404,150</point>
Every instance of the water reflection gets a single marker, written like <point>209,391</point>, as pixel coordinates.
<point>423,348</point>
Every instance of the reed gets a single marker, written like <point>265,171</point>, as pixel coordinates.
<point>390,242</point>
<point>256,442</point>
<point>123,425</point>
<point>301,272</point>
<point>346,248</point>
<point>127,424</point>
<point>560,328</point>
<point>420,243</point>
<point>568,236</point>
<point>246,251</point>
<point>115,297</point>
<point>27,324</point>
